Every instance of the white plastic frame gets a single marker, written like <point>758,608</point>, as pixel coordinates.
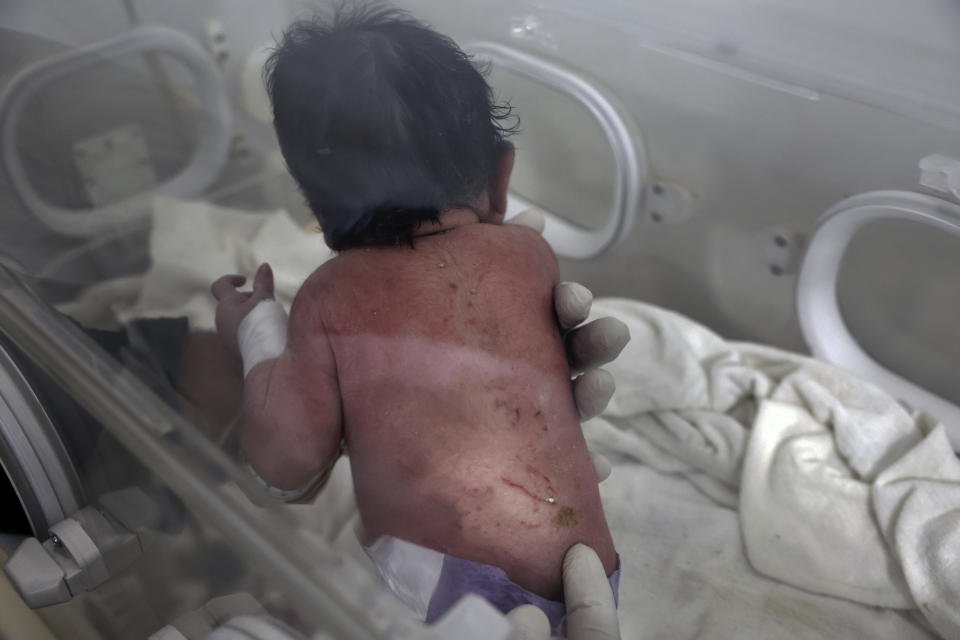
<point>32,453</point>
<point>820,320</point>
<point>204,166</point>
<point>630,177</point>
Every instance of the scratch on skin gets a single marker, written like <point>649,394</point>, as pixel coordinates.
<point>517,485</point>
<point>534,471</point>
<point>539,415</point>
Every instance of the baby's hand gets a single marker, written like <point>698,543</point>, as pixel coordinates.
<point>233,306</point>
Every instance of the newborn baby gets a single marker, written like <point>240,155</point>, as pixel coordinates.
<point>429,344</point>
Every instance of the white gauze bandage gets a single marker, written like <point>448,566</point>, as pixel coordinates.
<point>262,335</point>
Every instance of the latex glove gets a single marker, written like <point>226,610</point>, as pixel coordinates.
<point>588,346</point>
<point>591,611</point>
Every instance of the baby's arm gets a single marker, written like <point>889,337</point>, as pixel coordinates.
<point>291,429</point>
<point>291,422</point>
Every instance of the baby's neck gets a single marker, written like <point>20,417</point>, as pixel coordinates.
<point>450,219</point>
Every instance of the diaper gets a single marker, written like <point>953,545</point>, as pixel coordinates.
<point>430,582</point>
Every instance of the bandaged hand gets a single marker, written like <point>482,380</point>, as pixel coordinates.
<point>250,323</point>
<point>591,610</point>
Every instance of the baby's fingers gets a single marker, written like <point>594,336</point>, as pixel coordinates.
<point>263,282</point>
<point>226,285</point>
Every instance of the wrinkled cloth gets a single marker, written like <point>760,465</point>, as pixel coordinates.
<point>840,490</point>
<point>191,244</point>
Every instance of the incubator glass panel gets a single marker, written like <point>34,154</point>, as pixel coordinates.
<point>121,509</point>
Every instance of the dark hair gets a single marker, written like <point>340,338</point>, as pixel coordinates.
<point>383,122</point>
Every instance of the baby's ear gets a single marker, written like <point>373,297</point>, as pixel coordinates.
<point>500,180</point>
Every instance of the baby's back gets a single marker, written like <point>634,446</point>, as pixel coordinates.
<point>457,409</point>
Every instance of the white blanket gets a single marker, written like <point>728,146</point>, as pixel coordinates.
<point>191,244</point>
<point>840,491</point>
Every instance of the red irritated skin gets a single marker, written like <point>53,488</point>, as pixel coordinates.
<point>443,368</point>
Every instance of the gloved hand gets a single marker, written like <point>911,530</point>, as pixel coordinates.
<point>591,611</point>
<point>588,346</point>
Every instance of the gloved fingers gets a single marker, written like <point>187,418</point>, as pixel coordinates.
<point>601,465</point>
<point>226,285</point>
<point>591,611</point>
<point>530,218</point>
<point>592,392</point>
<point>571,301</point>
<point>263,282</point>
<point>596,343</point>
<point>529,623</point>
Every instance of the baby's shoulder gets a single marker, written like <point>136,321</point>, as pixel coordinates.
<point>517,233</point>
<point>508,238</point>
<point>522,247</point>
<point>316,289</point>
<point>322,277</point>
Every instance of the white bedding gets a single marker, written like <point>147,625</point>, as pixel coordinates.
<point>191,244</point>
<point>804,474</point>
<point>755,493</point>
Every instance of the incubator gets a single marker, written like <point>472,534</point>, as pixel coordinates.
<point>766,193</point>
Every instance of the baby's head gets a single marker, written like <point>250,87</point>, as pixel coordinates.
<point>383,123</point>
